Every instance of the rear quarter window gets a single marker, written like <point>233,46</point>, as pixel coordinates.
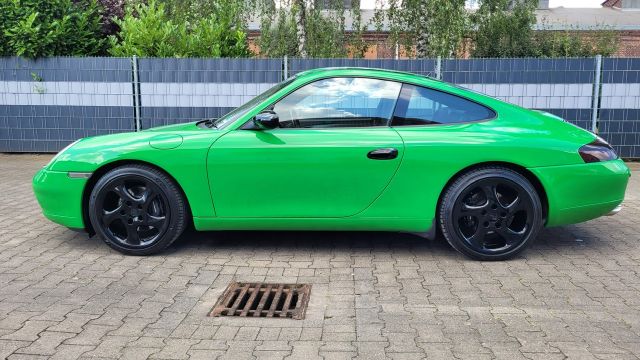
<point>423,106</point>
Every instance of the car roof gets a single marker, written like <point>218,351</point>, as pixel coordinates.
<point>364,70</point>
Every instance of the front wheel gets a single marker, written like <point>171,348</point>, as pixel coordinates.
<point>137,209</point>
<point>490,213</point>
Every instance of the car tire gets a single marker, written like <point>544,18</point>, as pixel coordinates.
<point>490,213</point>
<point>137,209</point>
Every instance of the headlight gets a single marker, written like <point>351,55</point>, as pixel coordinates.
<point>597,150</point>
<point>59,153</point>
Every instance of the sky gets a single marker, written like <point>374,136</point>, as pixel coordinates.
<point>370,4</point>
<point>575,3</point>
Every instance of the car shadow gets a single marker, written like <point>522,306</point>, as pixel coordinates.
<point>306,240</point>
<point>549,240</point>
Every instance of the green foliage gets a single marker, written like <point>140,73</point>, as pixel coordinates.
<point>232,12</point>
<point>357,44</point>
<point>278,34</point>
<point>505,28</point>
<point>434,27</point>
<point>570,43</point>
<point>448,22</point>
<point>37,28</point>
<point>147,31</point>
<point>325,31</point>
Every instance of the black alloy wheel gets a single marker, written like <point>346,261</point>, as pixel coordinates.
<point>137,210</point>
<point>490,213</point>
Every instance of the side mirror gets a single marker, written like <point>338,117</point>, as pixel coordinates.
<point>266,120</point>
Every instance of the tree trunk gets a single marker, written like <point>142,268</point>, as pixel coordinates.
<point>422,30</point>
<point>300,9</point>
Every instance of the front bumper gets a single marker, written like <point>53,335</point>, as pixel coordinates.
<point>60,197</point>
<point>615,210</point>
<point>582,192</point>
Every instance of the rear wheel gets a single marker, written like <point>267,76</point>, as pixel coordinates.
<point>490,213</point>
<point>137,210</point>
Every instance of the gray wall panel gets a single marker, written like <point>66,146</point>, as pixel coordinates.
<point>22,127</point>
<point>66,69</point>
<point>160,116</point>
<point>46,103</point>
<point>210,70</point>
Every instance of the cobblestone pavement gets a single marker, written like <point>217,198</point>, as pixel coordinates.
<point>575,293</point>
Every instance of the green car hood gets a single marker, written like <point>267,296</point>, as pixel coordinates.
<point>151,145</point>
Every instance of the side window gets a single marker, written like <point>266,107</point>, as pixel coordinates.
<point>422,106</point>
<point>339,102</point>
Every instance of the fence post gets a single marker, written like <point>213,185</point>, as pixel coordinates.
<point>285,65</point>
<point>596,95</point>
<point>136,93</point>
<point>438,69</point>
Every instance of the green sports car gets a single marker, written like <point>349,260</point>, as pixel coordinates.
<point>341,149</point>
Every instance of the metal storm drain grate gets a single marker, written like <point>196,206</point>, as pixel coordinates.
<point>263,300</point>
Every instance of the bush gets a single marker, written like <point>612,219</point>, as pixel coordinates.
<point>147,31</point>
<point>505,29</point>
<point>568,43</point>
<point>37,28</point>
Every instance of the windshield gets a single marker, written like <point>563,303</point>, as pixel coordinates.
<point>238,112</point>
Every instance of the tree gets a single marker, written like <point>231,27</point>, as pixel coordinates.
<point>299,28</point>
<point>300,11</point>
<point>421,25</point>
<point>434,27</point>
<point>447,25</point>
<point>504,28</point>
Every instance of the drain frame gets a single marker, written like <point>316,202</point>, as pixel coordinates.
<point>263,300</point>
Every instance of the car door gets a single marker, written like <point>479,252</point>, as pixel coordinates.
<point>332,155</point>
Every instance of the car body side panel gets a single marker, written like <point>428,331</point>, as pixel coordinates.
<point>582,192</point>
<point>300,172</point>
<point>435,154</point>
<point>185,163</point>
<point>355,223</point>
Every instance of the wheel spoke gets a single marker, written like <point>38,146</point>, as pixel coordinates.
<point>510,237</point>
<point>147,195</point>
<point>110,216</point>
<point>124,194</point>
<point>515,206</point>
<point>477,239</point>
<point>490,192</point>
<point>132,234</point>
<point>466,209</point>
<point>155,221</point>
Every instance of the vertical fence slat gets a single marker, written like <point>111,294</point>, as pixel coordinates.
<point>596,94</point>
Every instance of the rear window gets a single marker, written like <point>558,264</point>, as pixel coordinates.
<point>423,106</point>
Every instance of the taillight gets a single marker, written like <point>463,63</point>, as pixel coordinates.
<point>597,150</point>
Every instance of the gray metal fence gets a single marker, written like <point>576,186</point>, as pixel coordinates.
<point>45,104</point>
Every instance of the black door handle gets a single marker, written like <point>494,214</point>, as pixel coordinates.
<point>383,154</point>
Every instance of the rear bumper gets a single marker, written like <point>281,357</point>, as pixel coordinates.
<point>582,192</point>
<point>60,197</point>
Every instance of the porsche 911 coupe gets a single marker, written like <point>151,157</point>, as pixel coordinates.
<point>341,149</point>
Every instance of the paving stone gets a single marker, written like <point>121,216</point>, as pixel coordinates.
<point>574,294</point>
